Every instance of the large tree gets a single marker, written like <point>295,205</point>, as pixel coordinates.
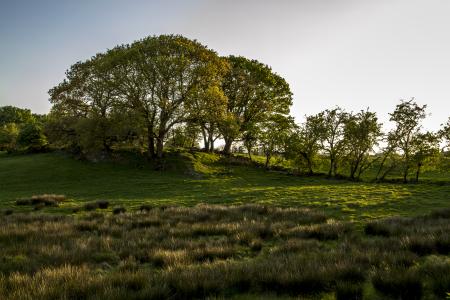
<point>153,79</point>
<point>160,76</point>
<point>254,93</point>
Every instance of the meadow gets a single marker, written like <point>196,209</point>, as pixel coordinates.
<point>213,227</point>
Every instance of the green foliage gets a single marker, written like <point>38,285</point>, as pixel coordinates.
<point>361,134</point>
<point>273,135</point>
<point>407,117</point>
<point>11,114</point>
<point>444,133</point>
<point>156,79</point>
<point>32,138</point>
<point>8,137</point>
<point>254,93</point>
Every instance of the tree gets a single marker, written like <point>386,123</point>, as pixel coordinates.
<point>11,114</point>
<point>159,76</point>
<point>332,139</point>
<point>361,134</point>
<point>8,136</point>
<point>306,142</point>
<point>254,93</point>
<point>273,135</point>
<point>208,110</point>
<point>153,79</point>
<point>424,147</point>
<point>32,138</point>
<point>407,117</point>
<point>444,133</point>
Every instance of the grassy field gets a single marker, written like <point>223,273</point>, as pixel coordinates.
<point>215,228</point>
<point>206,179</point>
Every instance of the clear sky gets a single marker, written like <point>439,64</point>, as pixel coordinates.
<point>351,53</point>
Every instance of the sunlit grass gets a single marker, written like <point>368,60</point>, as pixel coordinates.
<point>131,186</point>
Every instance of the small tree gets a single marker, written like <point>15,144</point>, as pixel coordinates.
<point>332,139</point>
<point>424,147</point>
<point>307,141</point>
<point>273,135</point>
<point>361,134</point>
<point>407,116</point>
<point>32,138</point>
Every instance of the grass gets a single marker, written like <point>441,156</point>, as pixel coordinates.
<point>204,179</point>
<point>210,227</point>
<point>208,251</point>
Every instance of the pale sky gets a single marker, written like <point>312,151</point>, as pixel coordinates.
<point>351,53</point>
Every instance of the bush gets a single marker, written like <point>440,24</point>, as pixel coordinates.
<point>21,202</point>
<point>8,212</point>
<point>90,206</point>
<point>119,210</point>
<point>103,204</point>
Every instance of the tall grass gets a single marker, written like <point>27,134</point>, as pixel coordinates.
<point>217,251</point>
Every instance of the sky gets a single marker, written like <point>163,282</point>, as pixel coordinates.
<point>355,54</point>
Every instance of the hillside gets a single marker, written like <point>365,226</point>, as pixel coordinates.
<point>193,178</point>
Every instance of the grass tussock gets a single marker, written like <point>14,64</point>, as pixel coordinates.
<point>210,251</point>
<point>42,200</point>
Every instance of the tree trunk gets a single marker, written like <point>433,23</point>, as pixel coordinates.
<point>211,140</point>
<point>160,147</point>
<point>405,174</point>
<point>382,165</point>
<point>309,162</point>
<point>267,161</point>
<point>227,148</point>
<point>205,140</point>
<point>418,171</point>
<point>151,142</point>
<point>330,171</point>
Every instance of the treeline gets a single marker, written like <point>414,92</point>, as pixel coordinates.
<point>169,91</point>
<point>147,94</point>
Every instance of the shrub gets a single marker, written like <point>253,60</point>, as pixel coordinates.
<point>8,212</point>
<point>90,206</point>
<point>103,204</point>
<point>76,209</point>
<point>399,283</point>
<point>21,202</point>
<point>45,199</point>
<point>119,210</point>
